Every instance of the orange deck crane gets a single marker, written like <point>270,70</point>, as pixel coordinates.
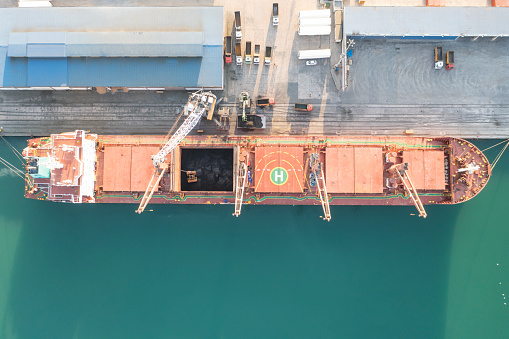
<point>401,171</point>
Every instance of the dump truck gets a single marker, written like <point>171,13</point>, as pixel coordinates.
<point>275,14</point>
<point>265,102</point>
<point>268,54</point>
<point>228,49</point>
<point>449,60</point>
<point>238,53</point>
<point>238,26</point>
<point>303,107</point>
<point>248,52</point>
<point>439,60</point>
<point>256,55</point>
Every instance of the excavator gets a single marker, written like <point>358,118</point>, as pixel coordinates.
<point>199,103</point>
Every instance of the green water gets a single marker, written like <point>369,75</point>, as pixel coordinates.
<point>102,271</point>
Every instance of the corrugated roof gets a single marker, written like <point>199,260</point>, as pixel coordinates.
<point>426,21</point>
<point>190,39</point>
<point>112,44</point>
<point>105,44</point>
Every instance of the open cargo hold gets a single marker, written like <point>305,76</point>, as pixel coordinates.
<point>213,168</point>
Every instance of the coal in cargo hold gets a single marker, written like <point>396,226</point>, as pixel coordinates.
<point>214,169</point>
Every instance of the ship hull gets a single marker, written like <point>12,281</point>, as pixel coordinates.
<point>281,170</point>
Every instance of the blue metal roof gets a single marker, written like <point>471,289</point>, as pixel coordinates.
<point>184,44</point>
<point>47,72</point>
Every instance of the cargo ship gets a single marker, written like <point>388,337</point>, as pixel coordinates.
<point>82,167</point>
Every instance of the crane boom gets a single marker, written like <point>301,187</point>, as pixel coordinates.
<point>198,103</point>
<point>402,173</point>
<point>316,168</point>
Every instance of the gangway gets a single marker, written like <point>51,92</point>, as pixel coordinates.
<point>198,103</point>
<point>402,171</point>
<point>316,168</point>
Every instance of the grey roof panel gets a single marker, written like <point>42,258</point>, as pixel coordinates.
<point>46,37</point>
<point>46,51</point>
<point>426,21</point>
<point>17,45</point>
<point>135,44</point>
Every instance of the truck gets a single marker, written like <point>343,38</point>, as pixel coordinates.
<point>303,107</point>
<point>248,52</point>
<point>238,53</point>
<point>265,102</point>
<point>275,14</point>
<point>268,54</point>
<point>256,56</point>
<point>439,60</point>
<point>228,49</point>
<point>449,60</point>
<point>238,26</point>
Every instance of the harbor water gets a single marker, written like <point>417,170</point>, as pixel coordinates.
<point>102,271</point>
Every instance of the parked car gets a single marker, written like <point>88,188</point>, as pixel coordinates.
<point>310,62</point>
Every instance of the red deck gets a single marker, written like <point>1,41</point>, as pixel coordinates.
<point>354,170</point>
<point>127,168</point>
<point>426,168</point>
<point>279,169</point>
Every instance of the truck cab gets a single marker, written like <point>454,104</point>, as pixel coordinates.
<point>275,14</point>
<point>256,55</point>
<point>248,52</point>
<point>238,26</point>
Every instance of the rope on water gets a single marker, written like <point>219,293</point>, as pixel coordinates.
<point>13,168</point>
<point>495,145</point>
<point>14,150</point>
<point>499,156</point>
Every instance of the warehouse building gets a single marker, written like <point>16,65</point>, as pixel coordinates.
<point>429,23</point>
<point>150,48</point>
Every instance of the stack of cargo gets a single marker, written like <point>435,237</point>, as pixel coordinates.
<point>316,22</point>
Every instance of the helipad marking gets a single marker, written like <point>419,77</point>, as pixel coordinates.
<point>279,176</point>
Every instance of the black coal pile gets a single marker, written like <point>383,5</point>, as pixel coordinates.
<point>214,169</point>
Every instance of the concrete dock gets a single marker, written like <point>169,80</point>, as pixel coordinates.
<point>393,87</point>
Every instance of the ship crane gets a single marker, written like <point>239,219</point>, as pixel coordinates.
<point>404,176</point>
<point>317,169</point>
<point>198,103</point>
